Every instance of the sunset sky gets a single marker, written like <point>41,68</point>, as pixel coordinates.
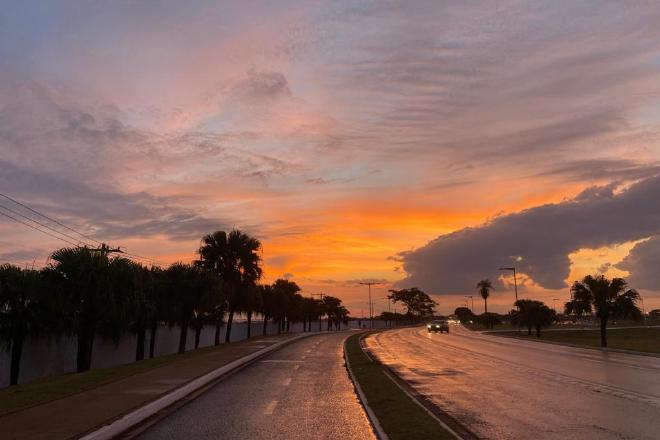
<point>422,143</point>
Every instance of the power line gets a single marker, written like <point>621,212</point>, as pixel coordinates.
<point>78,241</point>
<point>48,218</point>
<point>37,229</point>
<point>41,224</point>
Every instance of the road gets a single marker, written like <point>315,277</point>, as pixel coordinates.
<point>299,392</point>
<point>505,388</point>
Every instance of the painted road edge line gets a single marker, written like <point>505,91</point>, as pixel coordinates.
<point>390,375</point>
<point>375,424</point>
<point>141,414</point>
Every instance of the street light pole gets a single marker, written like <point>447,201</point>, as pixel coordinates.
<point>471,297</point>
<point>371,310</point>
<point>515,282</point>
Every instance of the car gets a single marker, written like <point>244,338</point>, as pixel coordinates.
<point>441,326</point>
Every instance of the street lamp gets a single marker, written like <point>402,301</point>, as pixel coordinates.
<point>515,282</point>
<point>371,310</point>
<point>471,297</point>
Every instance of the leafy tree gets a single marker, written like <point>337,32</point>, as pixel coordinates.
<point>418,304</point>
<point>484,287</point>
<point>235,258</point>
<point>610,299</point>
<point>464,314</point>
<point>21,312</point>
<point>533,314</point>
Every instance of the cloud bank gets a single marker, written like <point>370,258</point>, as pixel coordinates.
<point>539,240</point>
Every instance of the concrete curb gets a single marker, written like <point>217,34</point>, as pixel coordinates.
<point>139,415</point>
<point>380,433</point>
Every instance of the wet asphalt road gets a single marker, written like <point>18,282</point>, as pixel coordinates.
<point>299,392</point>
<point>510,389</point>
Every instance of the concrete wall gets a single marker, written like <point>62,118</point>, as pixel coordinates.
<point>50,356</point>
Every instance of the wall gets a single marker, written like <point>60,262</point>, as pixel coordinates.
<point>53,356</point>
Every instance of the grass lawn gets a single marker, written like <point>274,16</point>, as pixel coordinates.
<point>399,416</point>
<point>637,339</point>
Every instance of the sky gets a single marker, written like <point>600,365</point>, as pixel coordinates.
<point>411,143</point>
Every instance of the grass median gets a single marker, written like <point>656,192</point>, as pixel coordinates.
<point>645,339</point>
<point>399,416</point>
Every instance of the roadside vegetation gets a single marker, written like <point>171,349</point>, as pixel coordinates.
<point>96,292</point>
<point>398,415</point>
<point>643,339</point>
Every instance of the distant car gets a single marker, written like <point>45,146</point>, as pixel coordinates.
<point>441,326</point>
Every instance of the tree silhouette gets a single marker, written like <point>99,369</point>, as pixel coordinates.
<point>21,312</point>
<point>484,287</point>
<point>418,304</point>
<point>610,299</point>
<point>533,314</point>
<point>235,258</point>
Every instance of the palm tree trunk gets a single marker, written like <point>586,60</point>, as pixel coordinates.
<point>152,338</point>
<point>485,305</point>
<point>249,324</point>
<point>265,325</point>
<point>16,353</point>
<point>198,332</point>
<point>230,319</point>
<point>603,332</point>
<point>139,349</point>
<point>86,333</point>
<point>183,337</point>
<point>218,326</point>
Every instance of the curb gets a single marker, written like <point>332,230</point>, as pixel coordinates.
<point>422,402</point>
<point>375,424</point>
<point>139,415</point>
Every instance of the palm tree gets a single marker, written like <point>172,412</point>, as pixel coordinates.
<point>610,299</point>
<point>20,312</point>
<point>82,279</point>
<point>533,314</point>
<point>235,258</point>
<point>484,287</point>
<point>267,305</point>
<point>187,287</point>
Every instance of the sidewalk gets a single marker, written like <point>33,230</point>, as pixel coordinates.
<point>75,415</point>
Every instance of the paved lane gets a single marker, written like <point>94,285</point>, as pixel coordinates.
<point>510,389</point>
<point>299,392</point>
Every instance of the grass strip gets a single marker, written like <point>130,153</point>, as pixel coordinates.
<point>45,390</point>
<point>399,416</point>
<point>637,339</point>
<point>23,396</point>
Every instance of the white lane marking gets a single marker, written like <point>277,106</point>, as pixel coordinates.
<point>270,408</point>
<point>308,351</point>
<point>295,367</point>
<point>287,382</point>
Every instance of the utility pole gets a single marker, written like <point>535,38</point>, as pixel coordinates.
<point>371,310</point>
